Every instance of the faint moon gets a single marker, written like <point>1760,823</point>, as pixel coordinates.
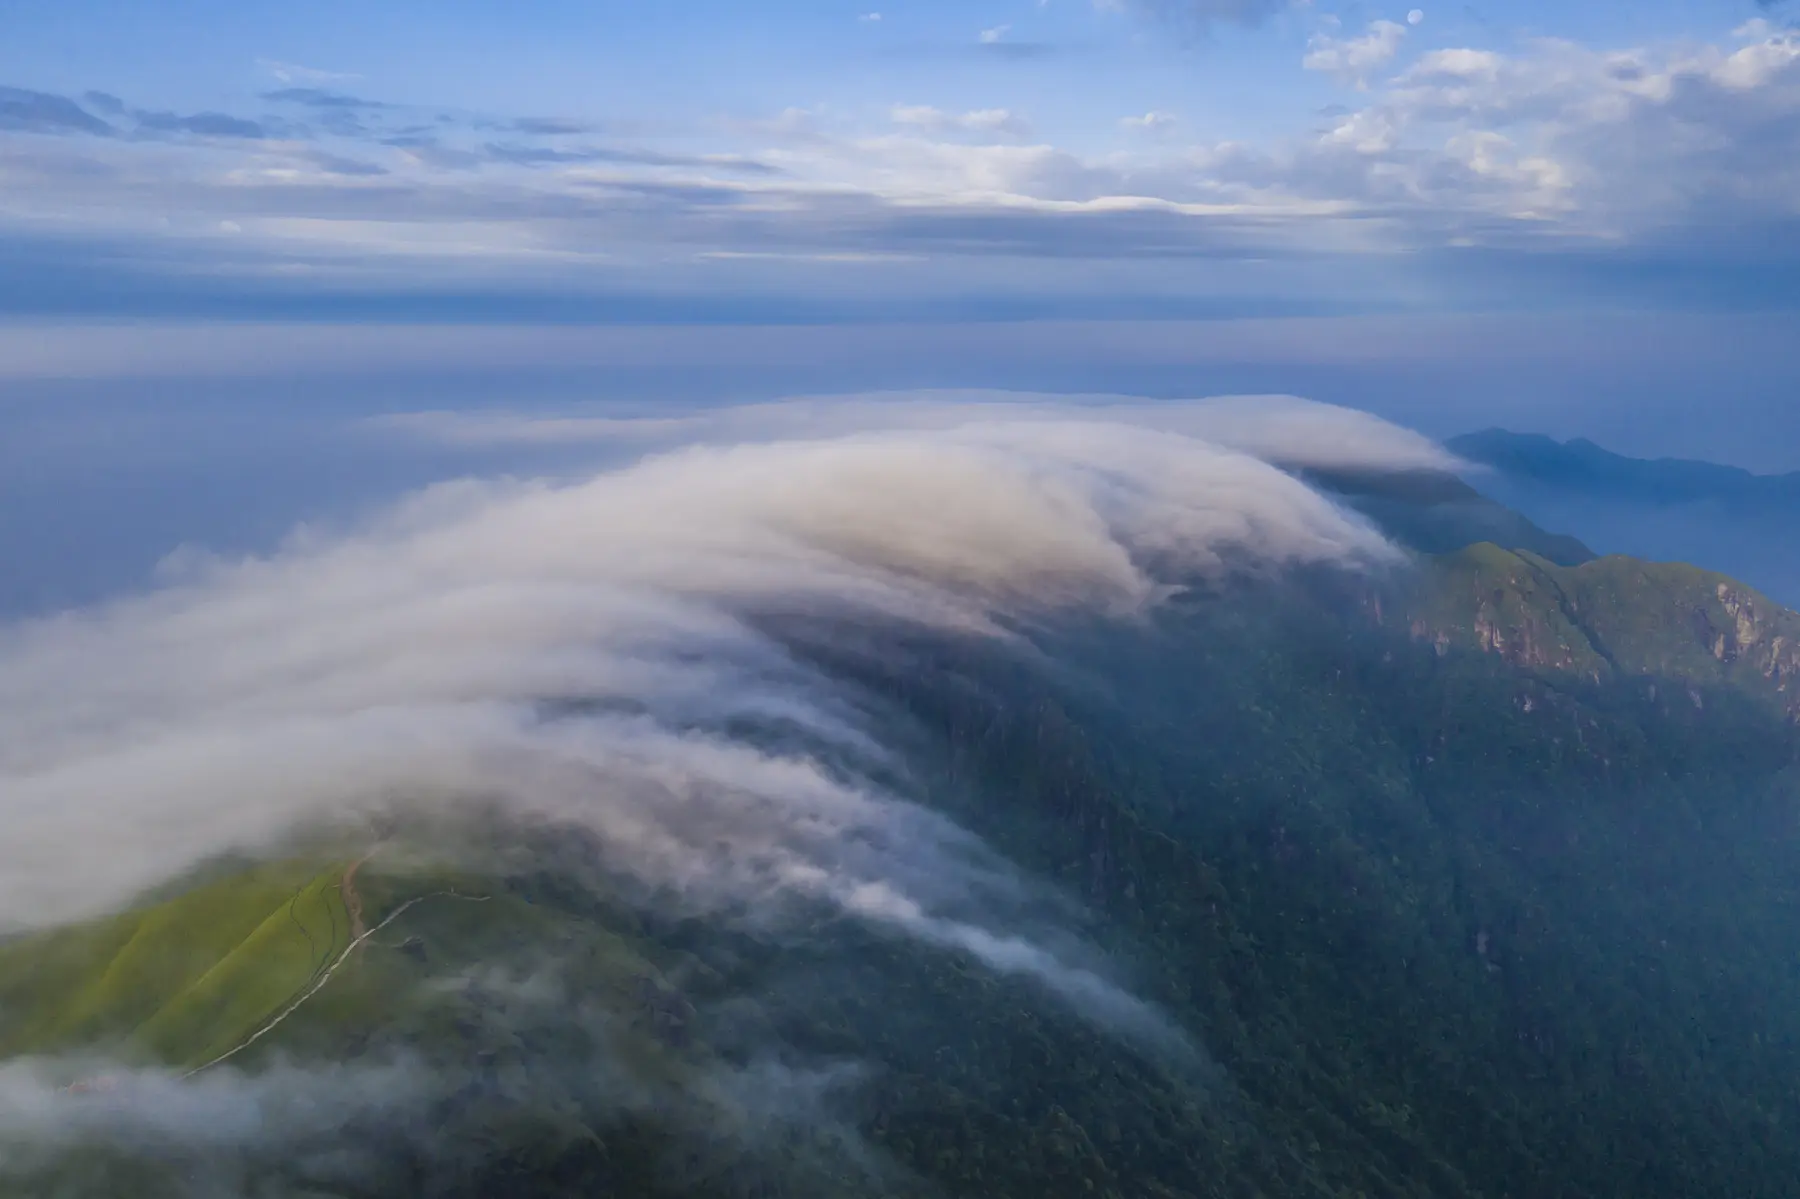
<point>1415,16</point>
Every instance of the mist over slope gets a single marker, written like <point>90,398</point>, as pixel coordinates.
<point>976,797</point>
<point>1704,513</point>
<point>430,653</point>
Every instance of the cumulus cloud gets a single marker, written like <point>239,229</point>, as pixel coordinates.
<point>589,653</point>
<point>1651,149</point>
<point>1352,59</point>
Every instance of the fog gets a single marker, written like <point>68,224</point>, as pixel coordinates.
<point>589,651</point>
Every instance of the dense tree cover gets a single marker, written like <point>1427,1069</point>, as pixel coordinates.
<point>1441,940</point>
<point>1438,917</point>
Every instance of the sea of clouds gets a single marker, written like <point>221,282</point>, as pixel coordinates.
<point>422,658</point>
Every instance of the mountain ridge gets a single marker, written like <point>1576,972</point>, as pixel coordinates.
<point>1412,864</point>
<point>1581,463</point>
<point>1702,627</point>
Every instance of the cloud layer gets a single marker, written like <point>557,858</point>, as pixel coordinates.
<point>591,652</point>
<point>1651,153</point>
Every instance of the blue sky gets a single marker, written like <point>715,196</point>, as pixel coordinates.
<point>601,161</point>
<point>231,231</point>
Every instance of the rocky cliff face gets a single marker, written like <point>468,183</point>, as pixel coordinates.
<point>1612,618</point>
<point>1761,636</point>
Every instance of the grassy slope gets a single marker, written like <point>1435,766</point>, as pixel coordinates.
<point>1300,844</point>
<point>185,979</point>
<point>475,985</point>
<point>181,980</point>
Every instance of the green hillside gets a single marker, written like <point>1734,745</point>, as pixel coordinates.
<point>1614,618</point>
<point>178,981</point>
<point>1479,880</point>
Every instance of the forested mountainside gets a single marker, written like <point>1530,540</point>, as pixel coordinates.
<point>1473,878</point>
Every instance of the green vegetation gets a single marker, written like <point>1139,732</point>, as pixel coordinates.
<point>179,981</point>
<point>1615,618</point>
<point>1477,881</point>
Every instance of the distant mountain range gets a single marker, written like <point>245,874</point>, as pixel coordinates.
<point>1436,513</point>
<point>1666,509</point>
<point>1580,465</point>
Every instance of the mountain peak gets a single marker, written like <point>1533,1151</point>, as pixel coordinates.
<point>1612,619</point>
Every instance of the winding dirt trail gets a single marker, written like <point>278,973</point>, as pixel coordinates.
<point>358,934</point>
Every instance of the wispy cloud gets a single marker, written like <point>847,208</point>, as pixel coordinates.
<point>23,111</point>
<point>1642,150</point>
<point>984,120</point>
<point>204,124</point>
<point>288,72</point>
<point>1199,13</point>
<point>314,97</point>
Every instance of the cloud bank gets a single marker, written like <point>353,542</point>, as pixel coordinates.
<point>590,652</point>
<point>1645,157</point>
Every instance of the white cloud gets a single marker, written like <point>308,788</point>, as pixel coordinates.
<point>211,1129</point>
<point>137,1126</point>
<point>1154,121</point>
<point>1462,145</point>
<point>992,36</point>
<point>1287,430</point>
<point>288,72</point>
<point>982,120</point>
<point>1354,58</point>
<point>1456,64</point>
<point>1622,142</point>
<point>411,661</point>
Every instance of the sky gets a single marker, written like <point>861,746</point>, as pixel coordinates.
<point>338,341</point>
<point>232,233</point>
<point>824,162</point>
